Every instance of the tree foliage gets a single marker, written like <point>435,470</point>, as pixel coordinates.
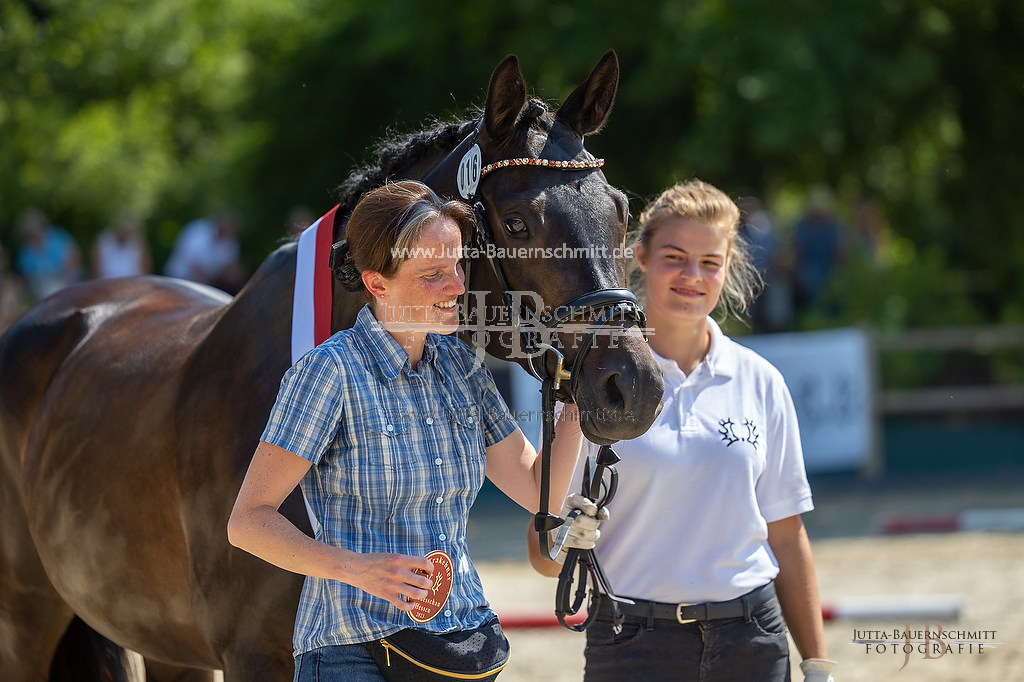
<point>171,109</point>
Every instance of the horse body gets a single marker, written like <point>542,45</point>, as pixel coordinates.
<point>129,410</point>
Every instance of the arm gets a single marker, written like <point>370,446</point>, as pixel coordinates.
<point>541,564</point>
<point>257,527</point>
<point>567,432</point>
<point>515,467</point>
<point>797,586</point>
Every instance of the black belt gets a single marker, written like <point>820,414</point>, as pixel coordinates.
<point>740,607</point>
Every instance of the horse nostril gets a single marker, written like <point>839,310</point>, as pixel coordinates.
<point>614,395</point>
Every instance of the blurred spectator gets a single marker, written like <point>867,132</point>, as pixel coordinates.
<point>48,258</point>
<point>868,231</point>
<point>772,311</point>
<point>758,229</point>
<point>12,293</point>
<point>207,251</point>
<point>121,250</point>
<point>299,218</point>
<point>818,246</point>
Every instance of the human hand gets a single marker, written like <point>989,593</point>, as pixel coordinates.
<point>400,579</point>
<point>817,669</point>
<point>583,527</point>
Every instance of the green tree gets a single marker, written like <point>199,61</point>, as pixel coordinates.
<point>174,108</point>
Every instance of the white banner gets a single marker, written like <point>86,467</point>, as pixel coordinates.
<point>829,374</point>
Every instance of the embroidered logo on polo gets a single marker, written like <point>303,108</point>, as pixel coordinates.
<point>745,432</point>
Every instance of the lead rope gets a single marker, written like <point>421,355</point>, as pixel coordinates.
<point>583,563</point>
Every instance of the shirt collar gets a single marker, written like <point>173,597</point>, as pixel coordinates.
<point>720,359</point>
<point>390,357</point>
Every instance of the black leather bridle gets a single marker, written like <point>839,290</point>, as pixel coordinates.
<point>538,333</point>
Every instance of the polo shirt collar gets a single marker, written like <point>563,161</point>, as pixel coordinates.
<point>389,356</point>
<point>720,359</point>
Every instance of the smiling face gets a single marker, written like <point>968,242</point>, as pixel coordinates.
<point>685,265</point>
<point>424,290</point>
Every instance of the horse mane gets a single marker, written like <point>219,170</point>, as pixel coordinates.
<point>392,155</point>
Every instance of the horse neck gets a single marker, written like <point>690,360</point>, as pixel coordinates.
<point>257,322</point>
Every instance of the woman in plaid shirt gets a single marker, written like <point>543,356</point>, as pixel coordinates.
<point>390,426</point>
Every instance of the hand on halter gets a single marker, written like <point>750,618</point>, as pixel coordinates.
<point>583,532</point>
<point>818,669</point>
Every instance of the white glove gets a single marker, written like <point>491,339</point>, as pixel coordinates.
<point>582,532</point>
<point>817,669</point>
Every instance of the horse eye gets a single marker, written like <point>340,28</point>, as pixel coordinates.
<point>515,227</point>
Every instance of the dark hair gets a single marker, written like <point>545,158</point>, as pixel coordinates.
<point>387,220</point>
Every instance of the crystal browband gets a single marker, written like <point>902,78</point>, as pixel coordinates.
<point>564,165</point>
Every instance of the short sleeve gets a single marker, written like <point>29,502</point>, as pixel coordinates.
<point>498,421</point>
<point>308,409</point>
<point>782,489</point>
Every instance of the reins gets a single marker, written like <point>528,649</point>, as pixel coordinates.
<point>539,337</point>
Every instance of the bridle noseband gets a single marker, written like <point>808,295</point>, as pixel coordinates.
<point>539,340</point>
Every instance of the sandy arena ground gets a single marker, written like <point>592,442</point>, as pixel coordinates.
<point>980,569</point>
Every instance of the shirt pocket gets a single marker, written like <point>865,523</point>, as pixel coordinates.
<point>466,429</point>
<point>385,439</point>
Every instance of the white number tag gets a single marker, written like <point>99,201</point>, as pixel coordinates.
<point>469,172</point>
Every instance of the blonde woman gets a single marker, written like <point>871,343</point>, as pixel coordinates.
<point>704,533</point>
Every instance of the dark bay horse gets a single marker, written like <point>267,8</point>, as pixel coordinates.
<point>129,409</point>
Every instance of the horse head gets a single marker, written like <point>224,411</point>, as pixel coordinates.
<point>550,249</point>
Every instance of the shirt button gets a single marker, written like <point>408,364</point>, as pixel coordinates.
<point>439,500</point>
<point>442,537</point>
<point>389,427</point>
<point>470,420</point>
<point>438,461</point>
<point>430,420</point>
<point>448,613</point>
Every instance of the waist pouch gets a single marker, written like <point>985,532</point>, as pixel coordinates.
<point>414,655</point>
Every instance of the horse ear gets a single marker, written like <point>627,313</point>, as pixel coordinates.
<point>506,97</point>
<point>587,108</point>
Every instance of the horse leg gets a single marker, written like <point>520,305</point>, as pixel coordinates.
<point>33,617</point>
<point>257,670</point>
<point>84,655</point>
<point>162,672</point>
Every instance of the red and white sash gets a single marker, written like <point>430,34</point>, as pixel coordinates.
<point>311,302</point>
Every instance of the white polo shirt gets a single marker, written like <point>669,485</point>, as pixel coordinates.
<point>696,492</point>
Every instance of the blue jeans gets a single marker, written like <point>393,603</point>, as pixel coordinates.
<point>727,650</point>
<point>347,663</point>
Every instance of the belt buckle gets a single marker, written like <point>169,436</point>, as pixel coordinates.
<point>679,615</point>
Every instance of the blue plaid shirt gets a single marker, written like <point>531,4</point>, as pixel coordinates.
<point>398,460</point>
